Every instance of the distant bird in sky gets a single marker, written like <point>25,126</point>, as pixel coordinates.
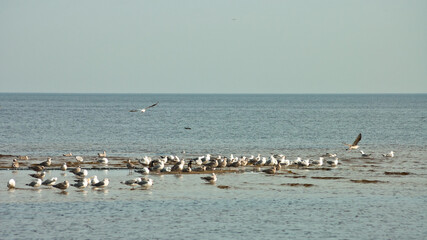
<point>354,144</point>
<point>144,109</point>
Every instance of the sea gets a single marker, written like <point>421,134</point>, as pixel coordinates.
<point>362,198</point>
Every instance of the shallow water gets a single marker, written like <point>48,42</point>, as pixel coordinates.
<point>253,205</point>
<point>306,204</point>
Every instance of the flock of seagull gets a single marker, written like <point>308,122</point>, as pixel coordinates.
<point>174,164</point>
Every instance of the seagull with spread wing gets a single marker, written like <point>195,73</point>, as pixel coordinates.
<point>144,109</point>
<point>354,145</point>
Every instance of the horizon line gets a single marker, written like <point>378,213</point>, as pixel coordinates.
<point>218,93</point>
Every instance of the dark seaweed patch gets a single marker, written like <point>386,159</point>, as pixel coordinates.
<point>367,181</point>
<point>298,184</point>
<point>397,173</point>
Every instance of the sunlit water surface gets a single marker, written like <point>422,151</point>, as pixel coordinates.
<point>246,205</point>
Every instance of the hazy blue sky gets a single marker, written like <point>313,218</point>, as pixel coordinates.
<point>214,46</point>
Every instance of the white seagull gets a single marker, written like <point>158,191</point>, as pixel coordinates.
<point>81,183</point>
<point>94,180</point>
<point>11,183</point>
<point>318,162</point>
<point>390,154</point>
<point>354,144</point>
<point>143,170</point>
<point>64,166</point>
<point>103,160</point>
<point>80,158</point>
<point>144,109</point>
<point>146,183</point>
<point>333,162</point>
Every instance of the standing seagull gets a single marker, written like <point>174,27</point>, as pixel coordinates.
<point>144,109</point>
<point>354,145</point>
<point>130,166</point>
<point>210,179</point>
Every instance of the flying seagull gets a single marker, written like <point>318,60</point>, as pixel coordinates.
<point>354,145</point>
<point>144,109</point>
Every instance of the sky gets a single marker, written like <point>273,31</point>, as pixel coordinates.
<point>215,46</point>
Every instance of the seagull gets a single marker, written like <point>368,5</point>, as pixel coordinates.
<point>145,161</point>
<point>46,163</point>
<point>188,168</point>
<point>40,175</point>
<point>64,166</point>
<point>36,168</point>
<point>67,155</point>
<point>146,183</point>
<point>143,170</point>
<point>76,170</point>
<point>132,182</point>
<point>35,183</point>
<point>81,174</point>
<point>318,162</point>
<point>210,179</point>
<point>331,155</point>
<point>304,163</point>
<point>23,157</point>
<point>130,166</point>
<point>365,154</point>
<point>144,109</point>
<point>179,166</point>
<point>81,183</point>
<point>79,159</point>
<point>270,170</point>
<point>64,185</point>
<point>354,145</point>
<point>50,182</point>
<point>104,154</point>
<point>103,160</point>
<point>102,183</point>
<point>333,162</point>
<point>15,164</point>
<point>11,183</point>
<point>94,180</point>
<point>390,154</point>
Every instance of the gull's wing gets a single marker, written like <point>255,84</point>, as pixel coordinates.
<point>152,105</point>
<point>359,137</point>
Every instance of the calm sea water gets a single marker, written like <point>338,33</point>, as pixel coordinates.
<point>51,124</point>
<point>254,206</point>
